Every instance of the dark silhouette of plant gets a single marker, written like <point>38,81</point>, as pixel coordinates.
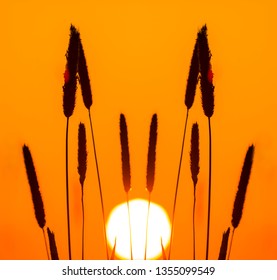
<point>52,244</point>
<point>82,169</point>
<point>241,193</point>
<point>224,245</point>
<point>151,162</point>
<point>69,89</point>
<point>35,191</point>
<point>207,90</point>
<point>194,167</point>
<point>87,99</point>
<point>126,170</point>
<point>189,99</point>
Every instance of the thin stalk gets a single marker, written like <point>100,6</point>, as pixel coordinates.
<point>45,242</point>
<point>147,222</point>
<point>130,230</point>
<point>210,189</point>
<point>83,225</point>
<point>193,224</point>
<point>99,184</point>
<point>67,191</point>
<point>231,242</point>
<point>177,185</point>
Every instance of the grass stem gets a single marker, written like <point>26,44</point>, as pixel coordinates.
<point>67,190</point>
<point>83,225</point>
<point>147,223</point>
<point>177,186</point>
<point>231,242</point>
<point>100,188</point>
<point>45,242</point>
<point>130,229</point>
<point>210,188</point>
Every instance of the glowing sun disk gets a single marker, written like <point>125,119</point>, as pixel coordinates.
<point>158,227</point>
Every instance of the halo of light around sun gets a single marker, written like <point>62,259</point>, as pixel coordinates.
<point>158,229</point>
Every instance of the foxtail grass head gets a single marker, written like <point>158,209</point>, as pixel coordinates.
<point>34,186</point>
<point>70,75</point>
<point>84,78</point>
<point>242,187</point>
<point>192,78</point>
<point>52,245</point>
<point>206,74</point>
<point>152,154</point>
<point>82,153</point>
<point>125,156</point>
<point>194,154</point>
<point>224,245</point>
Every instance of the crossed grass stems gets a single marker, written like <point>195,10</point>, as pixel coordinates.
<point>76,72</point>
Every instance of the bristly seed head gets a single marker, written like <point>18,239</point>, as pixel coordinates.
<point>82,153</point>
<point>152,154</point>
<point>206,75</point>
<point>192,78</point>
<point>125,156</point>
<point>84,78</point>
<point>194,153</point>
<point>34,186</point>
<point>70,75</point>
<point>242,187</point>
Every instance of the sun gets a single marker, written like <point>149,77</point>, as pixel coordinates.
<point>158,229</point>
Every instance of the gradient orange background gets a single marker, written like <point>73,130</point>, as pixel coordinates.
<point>138,55</point>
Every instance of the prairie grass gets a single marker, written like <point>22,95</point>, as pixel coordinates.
<point>82,169</point>
<point>207,90</point>
<point>224,245</point>
<point>69,89</point>
<point>150,173</point>
<point>87,99</point>
<point>241,193</point>
<point>35,191</point>
<point>126,169</point>
<point>52,245</point>
<point>194,167</point>
<point>76,70</point>
<point>189,99</point>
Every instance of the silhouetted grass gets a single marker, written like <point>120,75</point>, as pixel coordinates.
<point>224,245</point>
<point>35,191</point>
<point>151,162</point>
<point>82,169</point>
<point>69,89</point>
<point>87,99</point>
<point>241,193</point>
<point>194,167</point>
<point>200,67</point>
<point>52,244</point>
<point>189,99</point>
<point>207,90</point>
<point>126,170</point>
<point>113,251</point>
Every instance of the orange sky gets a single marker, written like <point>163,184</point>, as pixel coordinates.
<point>138,55</point>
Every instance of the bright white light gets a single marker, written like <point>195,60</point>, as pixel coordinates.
<point>158,227</point>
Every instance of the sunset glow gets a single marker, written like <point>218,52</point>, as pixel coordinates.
<point>118,227</point>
